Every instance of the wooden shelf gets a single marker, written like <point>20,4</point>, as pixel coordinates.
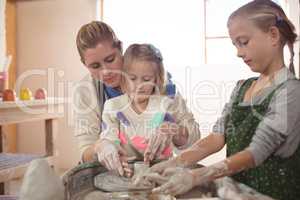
<point>49,110</point>
<point>8,197</point>
<point>34,102</point>
<point>33,110</point>
<point>14,165</point>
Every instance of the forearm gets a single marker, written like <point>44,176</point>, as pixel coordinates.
<point>240,162</point>
<point>86,118</point>
<point>189,131</point>
<point>230,166</point>
<point>201,149</point>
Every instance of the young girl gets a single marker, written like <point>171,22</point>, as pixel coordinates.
<point>134,120</point>
<point>261,123</point>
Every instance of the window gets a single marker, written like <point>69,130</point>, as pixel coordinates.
<point>216,36</point>
<point>192,36</point>
<point>174,26</point>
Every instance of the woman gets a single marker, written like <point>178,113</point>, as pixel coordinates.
<point>101,52</point>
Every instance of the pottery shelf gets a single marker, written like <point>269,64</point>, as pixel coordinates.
<point>14,165</point>
<point>8,197</point>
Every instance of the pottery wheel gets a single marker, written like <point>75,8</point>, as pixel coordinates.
<point>110,182</point>
<point>96,195</point>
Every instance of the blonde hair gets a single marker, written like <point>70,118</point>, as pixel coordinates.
<point>265,14</point>
<point>149,53</point>
<point>91,34</point>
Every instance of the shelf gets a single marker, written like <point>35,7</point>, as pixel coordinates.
<point>32,103</point>
<point>14,165</point>
<point>50,110</point>
<point>8,197</point>
<point>33,110</point>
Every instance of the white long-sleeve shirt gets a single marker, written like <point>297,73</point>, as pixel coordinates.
<point>120,122</point>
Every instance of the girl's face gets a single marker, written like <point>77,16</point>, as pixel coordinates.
<point>141,80</point>
<point>104,62</point>
<point>257,48</point>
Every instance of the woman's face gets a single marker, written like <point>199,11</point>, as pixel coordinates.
<point>140,80</point>
<point>104,62</point>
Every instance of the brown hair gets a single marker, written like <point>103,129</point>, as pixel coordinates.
<point>265,14</point>
<point>91,34</point>
<point>146,52</point>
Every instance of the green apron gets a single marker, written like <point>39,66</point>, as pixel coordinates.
<point>277,177</point>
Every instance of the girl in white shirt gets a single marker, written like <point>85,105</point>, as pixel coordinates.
<point>145,116</point>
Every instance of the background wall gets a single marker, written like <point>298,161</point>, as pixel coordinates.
<point>46,31</point>
<point>2,34</point>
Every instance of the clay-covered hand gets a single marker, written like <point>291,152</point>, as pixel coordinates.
<point>154,173</point>
<point>128,170</point>
<point>109,155</point>
<point>158,142</point>
<point>181,180</point>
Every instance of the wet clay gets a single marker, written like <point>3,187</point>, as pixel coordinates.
<point>110,182</point>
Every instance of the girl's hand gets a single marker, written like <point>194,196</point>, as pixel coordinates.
<point>128,171</point>
<point>159,141</point>
<point>153,174</point>
<point>109,155</point>
<point>180,180</point>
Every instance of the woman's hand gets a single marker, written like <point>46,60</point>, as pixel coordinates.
<point>110,155</point>
<point>160,140</point>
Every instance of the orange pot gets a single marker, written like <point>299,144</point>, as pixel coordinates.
<point>9,95</point>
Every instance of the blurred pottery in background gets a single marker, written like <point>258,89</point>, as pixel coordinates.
<point>25,94</point>
<point>3,82</point>
<point>40,93</point>
<point>9,95</point>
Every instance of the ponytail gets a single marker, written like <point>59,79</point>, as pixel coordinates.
<point>265,14</point>
<point>289,36</point>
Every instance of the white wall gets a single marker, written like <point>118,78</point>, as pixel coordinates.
<point>294,12</point>
<point>2,34</point>
<point>46,32</point>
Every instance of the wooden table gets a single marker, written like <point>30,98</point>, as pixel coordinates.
<point>14,165</point>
